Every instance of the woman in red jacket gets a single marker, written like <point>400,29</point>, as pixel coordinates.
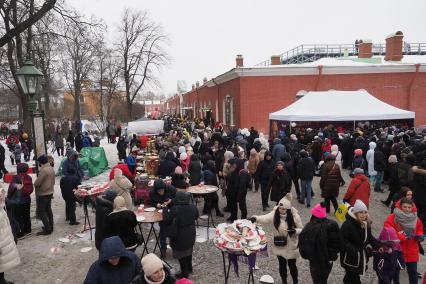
<point>358,189</point>
<point>410,232</point>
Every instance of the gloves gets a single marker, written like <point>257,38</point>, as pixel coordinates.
<point>419,238</point>
<point>253,219</point>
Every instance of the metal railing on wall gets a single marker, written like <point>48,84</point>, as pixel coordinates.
<point>312,52</point>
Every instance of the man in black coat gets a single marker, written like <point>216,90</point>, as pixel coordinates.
<point>68,183</point>
<point>305,171</point>
<point>243,184</point>
<point>185,215</point>
<point>78,142</point>
<point>323,241</point>
<point>104,206</point>
<point>264,172</point>
<point>161,196</point>
<point>3,170</point>
<point>167,166</point>
<point>379,166</point>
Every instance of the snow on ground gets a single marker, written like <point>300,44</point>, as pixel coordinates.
<point>67,264</point>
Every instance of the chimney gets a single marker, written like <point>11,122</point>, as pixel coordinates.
<point>239,61</point>
<point>394,46</point>
<point>365,49</point>
<point>193,87</point>
<point>275,60</point>
<point>197,84</point>
<point>205,80</point>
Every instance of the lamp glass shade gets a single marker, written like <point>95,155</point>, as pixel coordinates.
<point>29,78</point>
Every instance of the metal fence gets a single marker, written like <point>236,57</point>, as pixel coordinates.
<point>312,52</point>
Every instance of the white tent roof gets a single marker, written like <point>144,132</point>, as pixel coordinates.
<point>340,106</point>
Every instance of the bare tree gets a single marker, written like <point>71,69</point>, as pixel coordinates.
<point>14,26</point>
<point>46,51</point>
<point>109,70</point>
<point>141,45</point>
<point>80,50</point>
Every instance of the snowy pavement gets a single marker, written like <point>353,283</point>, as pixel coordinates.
<point>45,259</point>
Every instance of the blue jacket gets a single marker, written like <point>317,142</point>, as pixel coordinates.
<point>102,272</point>
<point>69,164</point>
<point>278,150</point>
<point>131,163</point>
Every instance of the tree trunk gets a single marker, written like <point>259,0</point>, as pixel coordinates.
<point>46,96</point>
<point>77,95</point>
<point>129,110</point>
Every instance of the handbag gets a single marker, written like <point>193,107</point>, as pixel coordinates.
<point>280,241</point>
<point>172,229</point>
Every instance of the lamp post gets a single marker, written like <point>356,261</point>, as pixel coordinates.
<point>29,78</point>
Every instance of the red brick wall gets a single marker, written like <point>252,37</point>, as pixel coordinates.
<point>256,97</point>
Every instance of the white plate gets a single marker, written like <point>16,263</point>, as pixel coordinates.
<point>64,240</point>
<point>86,249</point>
<point>204,217</point>
<point>200,240</point>
<point>150,209</point>
<point>140,218</point>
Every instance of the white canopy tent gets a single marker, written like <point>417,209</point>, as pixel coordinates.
<point>145,127</point>
<point>340,106</point>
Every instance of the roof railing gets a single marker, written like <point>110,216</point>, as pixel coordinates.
<point>312,52</point>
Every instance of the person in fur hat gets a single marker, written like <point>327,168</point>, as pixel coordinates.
<point>122,186</point>
<point>357,242</point>
<point>153,272</point>
<point>287,226</point>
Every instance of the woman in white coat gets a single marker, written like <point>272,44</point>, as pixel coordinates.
<point>287,226</point>
<point>9,256</point>
<point>370,160</point>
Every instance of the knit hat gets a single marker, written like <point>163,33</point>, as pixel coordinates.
<point>178,170</point>
<point>358,171</point>
<point>183,156</point>
<point>266,279</point>
<point>181,149</point>
<point>151,263</point>
<point>392,159</point>
<point>359,206</point>
<point>119,203</point>
<point>110,195</point>
<point>358,152</point>
<point>43,159</point>
<point>293,137</point>
<point>319,211</point>
<point>280,163</point>
<point>285,202</point>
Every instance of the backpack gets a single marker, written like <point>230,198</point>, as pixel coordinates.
<point>308,241</point>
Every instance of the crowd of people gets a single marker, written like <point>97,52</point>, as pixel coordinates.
<point>193,152</point>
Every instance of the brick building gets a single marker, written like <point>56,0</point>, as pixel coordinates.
<point>394,72</point>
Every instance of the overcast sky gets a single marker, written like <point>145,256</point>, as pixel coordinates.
<point>207,35</point>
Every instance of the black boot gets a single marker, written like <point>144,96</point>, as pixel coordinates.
<point>183,269</point>
<point>189,263</point>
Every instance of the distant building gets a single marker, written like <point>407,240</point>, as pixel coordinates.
<point>244,96</point>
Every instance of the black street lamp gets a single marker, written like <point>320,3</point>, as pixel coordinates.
<point>29,78</point>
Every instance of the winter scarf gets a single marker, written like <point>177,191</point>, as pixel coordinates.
<point>406,221</point>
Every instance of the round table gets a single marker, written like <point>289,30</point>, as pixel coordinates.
<point>150,218</point>
<point>203,190</point>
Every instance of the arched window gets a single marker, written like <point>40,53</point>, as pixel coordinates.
<point>228,110</point>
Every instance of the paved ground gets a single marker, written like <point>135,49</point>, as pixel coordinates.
<point>69,265</point>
